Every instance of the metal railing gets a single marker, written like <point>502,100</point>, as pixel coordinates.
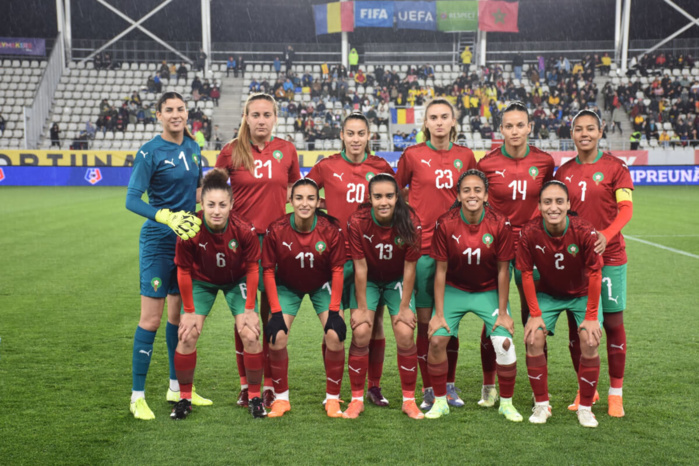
<point>35,115</point>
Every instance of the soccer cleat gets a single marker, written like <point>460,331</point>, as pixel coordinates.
<point>279,407</point>
<point>375,396</point>
<point>140,410</point>
<point>410,408</point>
<point>576,403</point>
<point>510,412</point>
<point>332,407</point>
<point>181,410</point>
<point>440,408</point>
<point>587,418</point>
<point>616,406</point>
<point>354,409</point>
<point>540,413</point>
<point>268,397</point>
<point>256,408</point>
<point>197,400</point>
<point>427,398</point>
<point>489,395</point>
<point>453,397</point>
<point>243,398</point>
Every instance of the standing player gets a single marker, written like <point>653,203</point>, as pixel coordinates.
<point>384,240</point>
<point>262,169</point>
<point>473,247</point>
<point>304,254</point>
<point>345,177</point>
<point>169,168</point>
<point>516,172</point>
<point>600,188</point>
<point>562,248</point>
<point>222,256</point>
<point>430,170</point>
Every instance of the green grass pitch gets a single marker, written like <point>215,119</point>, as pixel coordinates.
<point>69,305</point>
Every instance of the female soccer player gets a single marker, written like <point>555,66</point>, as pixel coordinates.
<point>222,256</point>
<point>562,248</point>
<point>262,169</point>
<point>600,188</point>
<point>430,170</point>
<point>345,177</point>
<point>304,254</point>
<point>516,172</point>
<point>384,240</point>
<point>472,246</point>
<point>169,168</point>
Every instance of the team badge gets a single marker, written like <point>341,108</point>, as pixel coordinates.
<point>573,249</point>
<point>598,177</point>
<point>321,247</point>
<point>533,171</point>
<point>369,176</point>
<point>155,283</point>
<point>458,164</point>
<point>488,239</point>
<point>277,154</point>
<point>233,244</point>
<point>195,157</point>
<point>93,176</point>
<point>399,241</point>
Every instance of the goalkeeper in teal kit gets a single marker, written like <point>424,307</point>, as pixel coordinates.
<point>168,167</point>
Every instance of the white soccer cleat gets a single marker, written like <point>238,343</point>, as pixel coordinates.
<point>540,414</point>
<point>587,418</point>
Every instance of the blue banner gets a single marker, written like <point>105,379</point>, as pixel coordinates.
<point>670,175</point>
<point>373,14</point>
<point>22,46</point>
<point>416,15</point>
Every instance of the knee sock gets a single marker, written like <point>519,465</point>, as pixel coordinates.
<point>253,373</point>
<point>184,367</point>
<point>407,368</point>
<point>616,354</point>
<point>279,367</point>
<point>438,375</point>
<point>377,351</point>
<point>142,351</point>
<point>334,369</point>
<point>538,377</point>
<point>423,345</point>
<point>487,359</point>
<point>506,378</point>
<point>171,339</point>
<point>588,376</point>
<point>240,359</point>
<point>453,358</point>
<point>358,364</point>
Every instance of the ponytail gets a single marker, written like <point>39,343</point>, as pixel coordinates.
<point>242,152</point>
<point>402,221</point>
<point>216,179</point>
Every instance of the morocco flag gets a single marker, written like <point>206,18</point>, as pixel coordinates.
<point>497,16</point>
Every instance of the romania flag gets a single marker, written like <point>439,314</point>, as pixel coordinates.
<point>403,116</point>
<point>334,17</point>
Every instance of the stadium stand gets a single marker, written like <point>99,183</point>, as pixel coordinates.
<point>18,83</point>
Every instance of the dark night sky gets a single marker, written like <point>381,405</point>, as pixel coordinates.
<point>282,21</point>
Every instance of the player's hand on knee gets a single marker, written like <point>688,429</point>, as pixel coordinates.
<point>250,321</point>
<point>592,332</point>
<point>506,322</point>
<point>336,324</point>
<point>360,317</point>
<point>189,327</point>
<point>275,325</point>
<point>437,322</point>
<point>533,324</point>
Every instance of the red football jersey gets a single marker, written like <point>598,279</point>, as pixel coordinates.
<point>219,258</point>
<point>384,251</point>
<point>432,176</point>
<point>592,189</point>
<point>514,184</point>
<point>260,196</point>
<point>563,262</point>
<point>303,261</point>
<point>472,251</point>
<point>345,182</point>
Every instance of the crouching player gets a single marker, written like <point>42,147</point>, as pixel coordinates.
<point>304,254</point>
<point>562,248</point>
<point>472,246</point>
<point>222,256</point>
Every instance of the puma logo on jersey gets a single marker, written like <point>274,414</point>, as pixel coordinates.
<point>353,369</point>
<point>593,232</point>
<point>338,176</point>
<point>287,245</point>
<point>170,162</point>
<point>587,381</point>
<point>369,237</point>
<point>336,382</point>
<point>409,370</point>
<point>456,238</point>
<point>507,222</point>
<point>203,246</point>
<point>147,353</point>
<point>542,248</point>
<point>427,162</point>
<point>621,346</point>
<point>500,173</point>
<point>538,377</point>
<point>144,154</point>
<point>569,179</point>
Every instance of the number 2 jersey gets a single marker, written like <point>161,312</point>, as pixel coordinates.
<point>592,189</point>
<point>514,184</point>
<point>563,262</point>
<point>472,251</point>
<point>384,251</point>
<point>303,260</point>
<point>219,258</point>
<point>432,176</point>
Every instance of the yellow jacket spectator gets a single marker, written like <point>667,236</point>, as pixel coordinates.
<point>578,68</point>
<point>200,139</point>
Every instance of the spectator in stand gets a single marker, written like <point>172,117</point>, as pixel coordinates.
<point>635,140</point>
<point>2,125</point>
<point>288,89</point>
<point>517,64</point>
<point>466,57</point>
<point>201,61</point>
<point>200,139</point>
<point>606,64</point>
<point>664,139</point>
<point>196,84</point>
<point>205,90</point>
<point>289,55</point>
<point>360,77</point>
<point>218,139</point>
<point>182,72</point>
<point>230,65</point>
<point>277,64</point>
<point>353,60</point>
<point>215,94</point>
<point>157,84</point>
<point>55,136</point>
<point>164,70</point>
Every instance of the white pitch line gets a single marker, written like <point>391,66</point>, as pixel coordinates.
<point>666,236</point>
<point>660,246</point>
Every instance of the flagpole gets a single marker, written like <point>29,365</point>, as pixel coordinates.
<point>482,46</point>
<point>345,45</point>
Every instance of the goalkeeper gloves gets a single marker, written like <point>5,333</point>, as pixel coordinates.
<point>183,223</point>
<point>336,323</point>
<point>275,324</point>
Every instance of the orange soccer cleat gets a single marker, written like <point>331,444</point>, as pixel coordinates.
<point>410,408</point>
<point>616,406</point>
<point>355,408</point>
<point>576,403</point>
<point>332,407</point>
<point>279,407</point>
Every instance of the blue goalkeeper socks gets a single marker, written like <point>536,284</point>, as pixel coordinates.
<point>171,338</point>
<point>142,352</point>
